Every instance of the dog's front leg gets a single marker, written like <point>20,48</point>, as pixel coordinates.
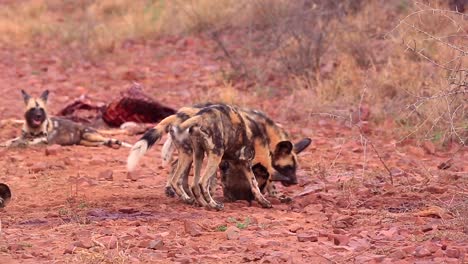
<point>254,186</point>
<point>211,168</point>
<point>16,142</point>
<point>36,141</point>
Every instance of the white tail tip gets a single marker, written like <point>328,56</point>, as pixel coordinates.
<point>136,153</point>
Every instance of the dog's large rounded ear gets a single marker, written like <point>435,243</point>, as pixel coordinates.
<point>5,194</point>
<point>301,145</point>
<point>283,148</point>
<point>44,95</point>
<point>26,96</point>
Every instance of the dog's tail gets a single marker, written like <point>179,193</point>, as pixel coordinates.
<point>5,194</point>
<point>181,132</point>
<point>148,140</point>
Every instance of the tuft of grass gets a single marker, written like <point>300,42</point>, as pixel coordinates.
<point>221,228</point>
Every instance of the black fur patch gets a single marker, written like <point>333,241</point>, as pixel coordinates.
<point>151,136</point>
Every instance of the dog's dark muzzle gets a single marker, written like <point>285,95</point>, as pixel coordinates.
<point>35,117</point>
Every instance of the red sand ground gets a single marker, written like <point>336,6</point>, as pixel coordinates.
<point>67,209</point>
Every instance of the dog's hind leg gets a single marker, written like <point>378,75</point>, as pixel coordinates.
<point>168,189</point>
<point>211,167</point>
<point>199,154</point>
<point>183,165</point>
<point>101,140</point>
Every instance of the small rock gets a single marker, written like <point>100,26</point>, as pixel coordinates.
<point>38,167</point>
<point>397,254</point>
<point>192,228</point>
<point>106,175</point>
<point>427,228</point>
<point>232,233</point>
<point>305,237</point>
<point>133,176</point>
<point>295,227</point>
<point>156,244</point>
<point>26,256</point>
<point>52,150</point>
<point>340,240</point>
<point>97,161</point>
<point>110,242</point>
<point>71,249</point>
<point>84,243</point>
<point>144,243</point>
<point>422,252</point>
<point>453,253</point>
<point>313,208</point>
<point>142,230</point>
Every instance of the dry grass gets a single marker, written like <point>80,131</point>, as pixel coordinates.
<point>91,26</point>
<point>398,56</point>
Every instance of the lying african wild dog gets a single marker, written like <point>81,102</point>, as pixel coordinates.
<point>40,128</point>
<point>284,160</point>
<point>284,154</point>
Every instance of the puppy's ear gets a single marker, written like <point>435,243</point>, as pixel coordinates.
<point>44,96</point>
<point>26,96</point>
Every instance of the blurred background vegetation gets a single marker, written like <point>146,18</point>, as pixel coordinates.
<point>404,60</point>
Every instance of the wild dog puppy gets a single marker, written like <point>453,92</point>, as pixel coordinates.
<point>220,132</point>
<point>5,195</point>
<point>235,187</point>
<point>40,128</point>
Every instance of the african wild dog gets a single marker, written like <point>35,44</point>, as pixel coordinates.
<point>284,157</point>
<point>5,195</point>
<point>235,187</point>
<point>220,132</point>
<point>40,128</point>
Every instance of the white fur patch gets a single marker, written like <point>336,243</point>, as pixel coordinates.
<point>167,151</point>
<point>136,153</point>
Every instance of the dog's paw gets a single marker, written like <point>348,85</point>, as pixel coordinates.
<point>285,199</point>
<point>169,191</point>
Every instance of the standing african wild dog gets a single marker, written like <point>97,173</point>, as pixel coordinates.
<point>284,158</point>
<point>40,128</point>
